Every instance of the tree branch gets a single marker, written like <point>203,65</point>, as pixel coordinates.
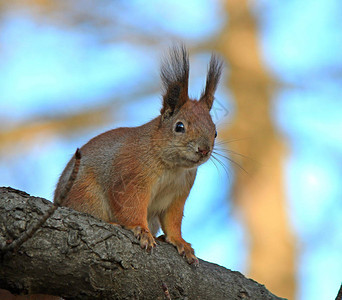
<point>32,230</point>
<point>76,256</point>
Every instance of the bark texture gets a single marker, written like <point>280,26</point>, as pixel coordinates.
<point>77,256</point>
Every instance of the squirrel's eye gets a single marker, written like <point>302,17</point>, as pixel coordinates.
<point>215,134</point>
<point>180,127</point>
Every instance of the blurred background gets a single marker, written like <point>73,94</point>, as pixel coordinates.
<point>272,209</point>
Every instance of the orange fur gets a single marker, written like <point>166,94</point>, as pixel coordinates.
<point>140,177</point>
<point>171,222</point>
<point>85,196</point>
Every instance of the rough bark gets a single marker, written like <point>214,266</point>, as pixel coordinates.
<point>76,256</point>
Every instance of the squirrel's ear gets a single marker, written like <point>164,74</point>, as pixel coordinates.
<point>174,73</point>
<point>213,77</point>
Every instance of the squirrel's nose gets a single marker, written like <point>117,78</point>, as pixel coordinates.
<point>203,151</point>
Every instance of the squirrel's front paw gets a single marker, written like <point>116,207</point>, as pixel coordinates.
<point>145,237</point>
<point>185,250</point>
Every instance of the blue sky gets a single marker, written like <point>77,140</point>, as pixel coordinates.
<point>301,44</point>
<point>46,69</point>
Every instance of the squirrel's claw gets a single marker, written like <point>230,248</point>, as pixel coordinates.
<point>146,239</point>
<point>185,250</point>
<point>194,261</point>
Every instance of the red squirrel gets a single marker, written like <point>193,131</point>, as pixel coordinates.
<point>140,177</point>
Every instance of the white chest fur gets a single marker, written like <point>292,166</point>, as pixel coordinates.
<point>169,186</point>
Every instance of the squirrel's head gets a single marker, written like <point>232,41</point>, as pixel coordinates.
<point>186,128</point>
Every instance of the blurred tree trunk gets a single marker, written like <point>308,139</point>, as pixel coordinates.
<point>260,194</point>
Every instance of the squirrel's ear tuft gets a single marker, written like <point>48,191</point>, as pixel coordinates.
<point>174,73</point>
<point>213,77</point>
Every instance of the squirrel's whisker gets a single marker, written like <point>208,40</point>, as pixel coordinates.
<point>139,177</point>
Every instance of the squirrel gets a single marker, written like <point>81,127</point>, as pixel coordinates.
<point>140,177</point>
